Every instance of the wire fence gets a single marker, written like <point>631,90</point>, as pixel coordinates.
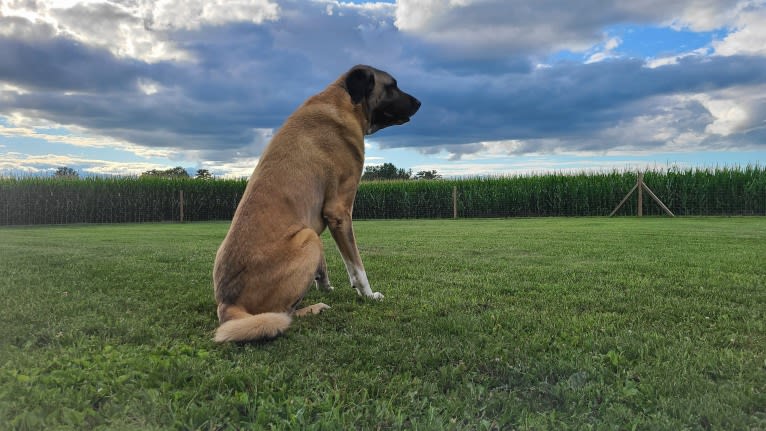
<point>727,192</point>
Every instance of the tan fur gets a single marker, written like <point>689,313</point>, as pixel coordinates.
<point>253,327</point>
<point>305,180</point>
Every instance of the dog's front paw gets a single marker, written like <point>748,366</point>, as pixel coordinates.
<point>318,308</point>
<point>311,309</point>
<point>366,292</point>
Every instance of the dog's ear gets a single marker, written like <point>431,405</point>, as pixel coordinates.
<point>359,83</point>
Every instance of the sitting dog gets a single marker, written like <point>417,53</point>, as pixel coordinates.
<point>305,180</point>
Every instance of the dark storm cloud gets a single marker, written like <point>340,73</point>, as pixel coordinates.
<point>211,105</point>
<point>60,64</point>
<point>567,100</point>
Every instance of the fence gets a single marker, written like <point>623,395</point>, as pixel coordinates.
<point>738,191</point>
<point>115,200</point>
<point>690,192</point>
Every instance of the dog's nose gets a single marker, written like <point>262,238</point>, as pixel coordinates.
<point>415,103</point>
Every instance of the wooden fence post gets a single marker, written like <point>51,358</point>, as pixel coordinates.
<point>454,201</point>
<point>640,194</point>
<point>181,205</point>
<point>656,199</point>
<point>641,186</point>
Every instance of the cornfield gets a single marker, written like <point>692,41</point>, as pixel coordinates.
<point>115,200</point>
<point>719,191</point>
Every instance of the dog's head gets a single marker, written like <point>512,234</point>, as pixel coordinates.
<point>386,104</point>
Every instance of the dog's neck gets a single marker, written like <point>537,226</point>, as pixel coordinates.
<point>361,110</point>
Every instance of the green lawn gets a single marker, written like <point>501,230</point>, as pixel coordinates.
<point>551,323</point>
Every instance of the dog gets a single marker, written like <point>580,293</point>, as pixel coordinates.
<point>305,181</point>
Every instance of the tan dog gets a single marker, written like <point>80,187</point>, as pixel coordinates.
<point>305,180</point>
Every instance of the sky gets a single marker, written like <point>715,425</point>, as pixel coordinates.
<point>119,87</point>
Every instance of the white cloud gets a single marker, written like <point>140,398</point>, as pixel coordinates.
<point>676,126</point>
<point>612,43</point>
<point>607,52</point>
<point>745,22</point>
<point>75,137</point>
<point>708,15</point>
<point>48,163</point>
<point>7,89</point>
<point>15,163</point>
<point>730,115</point>
<point>138,29</point>
<point>674,59</point>
<point>533,165</point>
<point>192,14</point>
<point>748,36</point>
<point>373,160</point>
<point>497,150</point>
<point>495,27</point>
<point>502,148</point>
<point>370,7</point>
<point>481,28</point>
<point>658,131</point>
<point>148,86</point>
<point>462,169</point>
<point>240,168</point>
<point>735,110</point>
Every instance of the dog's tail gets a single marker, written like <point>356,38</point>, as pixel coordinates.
<point>253,327</point>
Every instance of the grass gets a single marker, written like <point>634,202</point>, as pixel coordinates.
<point>550,323</point>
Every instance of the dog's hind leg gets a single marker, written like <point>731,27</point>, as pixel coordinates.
<point>322,280</point>
<point>312,258</point>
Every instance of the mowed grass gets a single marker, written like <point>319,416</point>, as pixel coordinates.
<point>588,323</point>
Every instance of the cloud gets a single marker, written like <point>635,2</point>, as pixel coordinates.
<point>139,29</point>
<point>247,77</point>
<point>193,14</point>
<point>748,37</point>
<point>46,164</point>
<point>536,165</point>
<point>572,102</point>
<point>207,83</point>
<point>489,28</point>
<point>64,65</point>
<point>711,121</point>
<point>703,15</point>
<point>606,51</point>
<point>71,140</point>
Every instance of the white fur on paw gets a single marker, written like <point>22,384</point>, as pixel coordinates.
<point>377,296</point>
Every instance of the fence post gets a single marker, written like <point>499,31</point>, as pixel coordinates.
<point>181,204</point>
<point>640,194</point>
<point>454,201</point>
<point>641,186</point>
